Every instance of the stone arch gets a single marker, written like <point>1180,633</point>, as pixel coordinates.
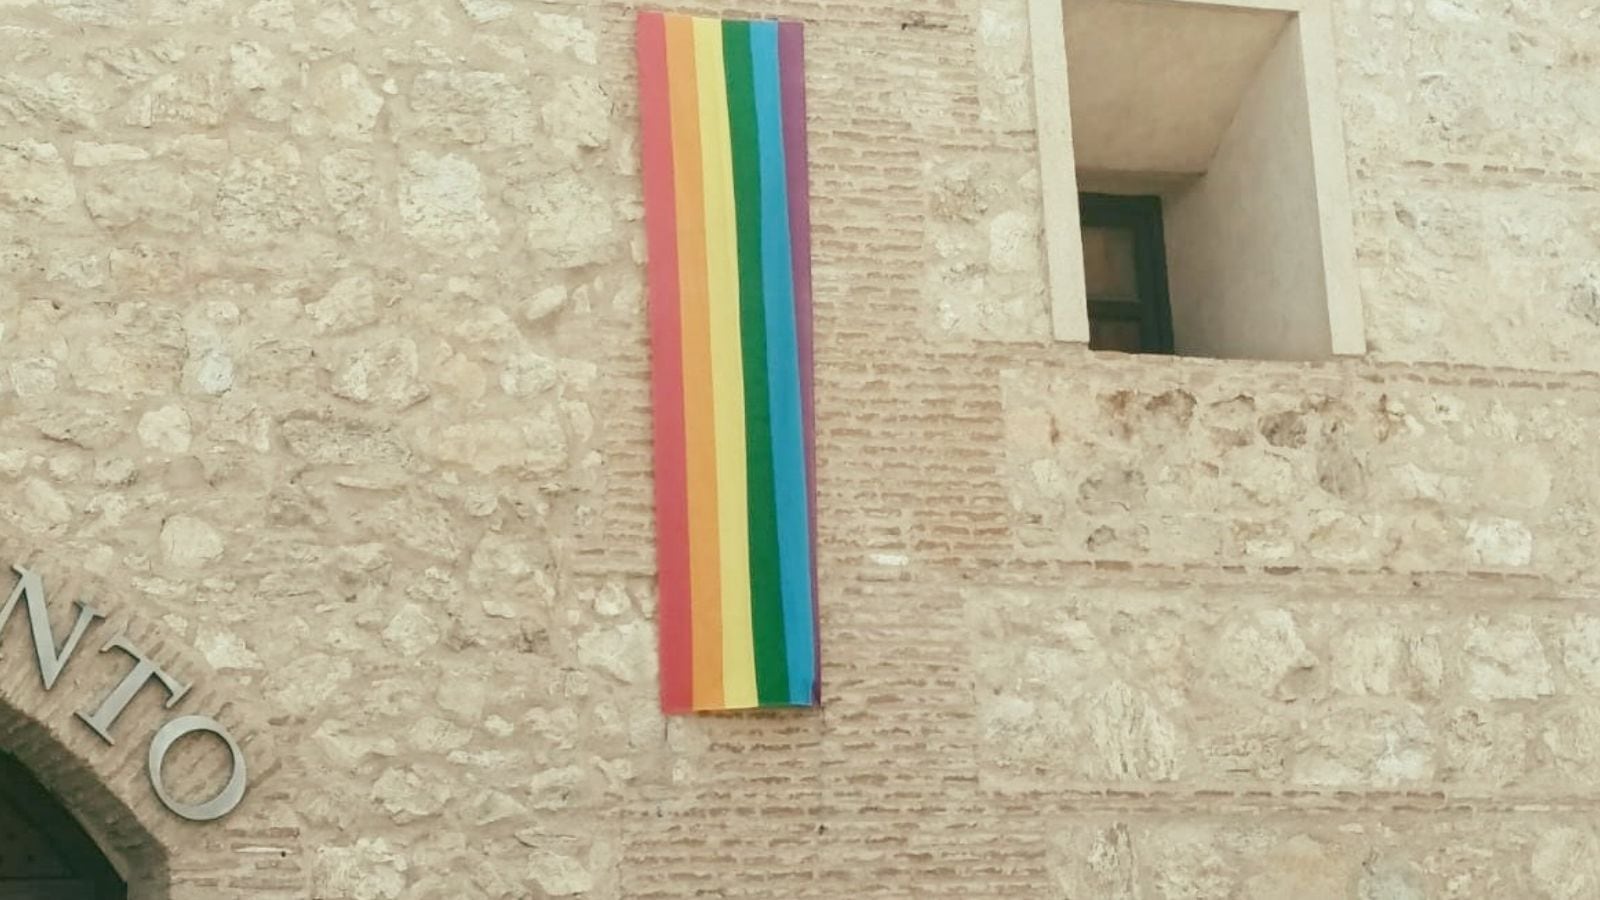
<point>254,852</point>
<point>140,858</point>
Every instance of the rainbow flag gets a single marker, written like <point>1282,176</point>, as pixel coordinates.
<point>728,223</point>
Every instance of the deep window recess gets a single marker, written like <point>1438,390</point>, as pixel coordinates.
<point>1228,110</point>
<point>1125,269</point>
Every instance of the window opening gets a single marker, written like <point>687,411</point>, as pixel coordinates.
<point>1125,273</point>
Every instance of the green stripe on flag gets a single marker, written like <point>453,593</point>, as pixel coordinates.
<point>766,592</point>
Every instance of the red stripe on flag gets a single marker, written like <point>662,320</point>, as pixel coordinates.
<point>666,346</point>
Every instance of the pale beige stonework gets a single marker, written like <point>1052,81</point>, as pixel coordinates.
<point>324,371</point>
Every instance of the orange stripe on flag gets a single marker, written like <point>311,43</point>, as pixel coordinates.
<point>694,294</point>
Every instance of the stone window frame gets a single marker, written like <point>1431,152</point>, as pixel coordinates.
<point>1063,247</point>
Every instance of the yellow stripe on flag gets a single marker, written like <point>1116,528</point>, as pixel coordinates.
<point>727,368</point>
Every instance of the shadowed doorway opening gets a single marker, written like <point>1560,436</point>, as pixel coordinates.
<point>44,853</point>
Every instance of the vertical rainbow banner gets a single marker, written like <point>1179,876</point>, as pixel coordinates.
<point>728,222</point>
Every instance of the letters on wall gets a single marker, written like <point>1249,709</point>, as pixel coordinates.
<point>52,658</point>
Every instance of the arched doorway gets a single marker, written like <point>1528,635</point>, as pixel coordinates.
<point>44,853</point>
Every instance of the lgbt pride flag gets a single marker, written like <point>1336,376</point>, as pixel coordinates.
<point>727,216</point>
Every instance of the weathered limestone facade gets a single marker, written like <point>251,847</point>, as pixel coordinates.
<point>323,364</point>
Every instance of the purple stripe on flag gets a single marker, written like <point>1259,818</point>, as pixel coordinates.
<point>792,57</point>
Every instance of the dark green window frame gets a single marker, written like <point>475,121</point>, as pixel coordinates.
<point>1151,309</point>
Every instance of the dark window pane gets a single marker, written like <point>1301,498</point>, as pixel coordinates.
<point>1125,273</point>
<point>1109,264</point>
<point>1110,334</point>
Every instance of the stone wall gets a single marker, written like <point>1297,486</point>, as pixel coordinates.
<point>322,346</point>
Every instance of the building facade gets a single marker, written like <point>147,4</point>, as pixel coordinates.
<point>324,381</point>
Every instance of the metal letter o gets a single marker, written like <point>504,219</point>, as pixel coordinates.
<point>218,806</point>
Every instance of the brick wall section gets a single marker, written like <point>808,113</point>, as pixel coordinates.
<point>322,347</point>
